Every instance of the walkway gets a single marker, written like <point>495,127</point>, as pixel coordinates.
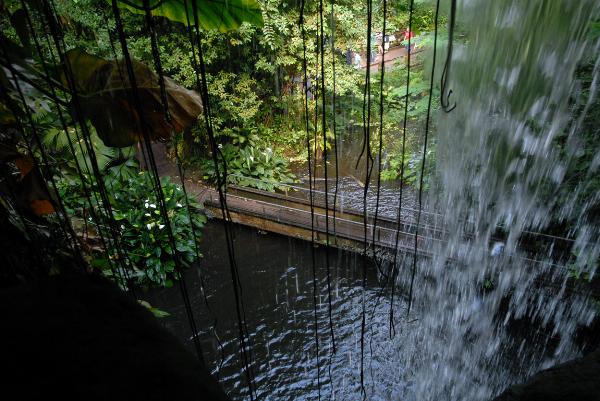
<point>391,57</point>
<point>289,214</point>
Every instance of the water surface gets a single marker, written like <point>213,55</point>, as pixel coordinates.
<point>277,281</point>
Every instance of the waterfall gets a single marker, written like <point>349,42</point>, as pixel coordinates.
<point>504,157</point>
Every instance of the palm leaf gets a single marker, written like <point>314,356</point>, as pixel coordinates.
<point>57,139</point>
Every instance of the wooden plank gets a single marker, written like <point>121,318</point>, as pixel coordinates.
<point>297,223</point>
<point>297,201</point>
<point>348,233</point>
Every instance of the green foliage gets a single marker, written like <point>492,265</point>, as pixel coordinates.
<point>417,106</point>
<point>316,143</point>
<point>235,101</point>
<point>155,311</point>
<point>412,167</point>
<point>581,184</point>
<point>423,15</point>
<point>142,229</point>
<point>220,15</point>
<point>579,275</point>
<point>594,32</point>
<point>250,167</point>
<point>254,72</point>
<point>418,99</point>
<point>57,142</point>
<point>596,304</point>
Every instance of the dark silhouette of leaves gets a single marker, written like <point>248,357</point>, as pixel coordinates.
<point>107,100</point>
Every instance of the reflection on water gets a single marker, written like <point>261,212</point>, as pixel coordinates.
<point>277,280</point>
<point>351,197</point>
<point>351,182</point>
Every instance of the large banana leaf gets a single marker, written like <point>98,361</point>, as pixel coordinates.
<point>221,15</point>
<point>107,100</point>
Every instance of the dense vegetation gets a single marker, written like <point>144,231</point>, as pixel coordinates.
<point>254,73</point>
<point>254,70</point>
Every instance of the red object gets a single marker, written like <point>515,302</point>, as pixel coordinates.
<point>408,34</point>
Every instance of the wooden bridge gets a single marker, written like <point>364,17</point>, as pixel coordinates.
<point>289,213</point>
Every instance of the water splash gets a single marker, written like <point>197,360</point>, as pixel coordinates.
<point>503,155</point>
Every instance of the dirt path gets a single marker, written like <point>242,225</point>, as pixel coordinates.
<point>391,56</point>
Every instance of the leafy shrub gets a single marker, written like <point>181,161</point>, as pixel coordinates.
<point>412,168</point>
<point>142,230</point>
<point>250,167</point>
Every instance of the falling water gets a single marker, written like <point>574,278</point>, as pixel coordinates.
<point>500,166</point>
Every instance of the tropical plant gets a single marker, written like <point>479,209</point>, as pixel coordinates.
<point>412,167</point>
<point>220,15</point>
<point>143,235</point>
<point>316,143</point>
<point>250,167</point>
<point>69,149</point>
<point>108,100</point>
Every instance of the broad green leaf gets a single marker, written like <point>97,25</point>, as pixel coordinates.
<point>221,15</point>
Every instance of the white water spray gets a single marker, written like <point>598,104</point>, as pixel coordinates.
<point>503,156</point>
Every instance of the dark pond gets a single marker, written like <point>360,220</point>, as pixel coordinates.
<point>277,280</point>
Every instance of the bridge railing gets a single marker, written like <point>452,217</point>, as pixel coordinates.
<point>341,199</point>
<point>430,220</point>
<point>385,237</point>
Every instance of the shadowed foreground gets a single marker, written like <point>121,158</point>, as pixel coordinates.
<point>576,380</point>
<point>76,337</point>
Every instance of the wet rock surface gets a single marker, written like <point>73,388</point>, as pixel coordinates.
<point>576,380</point>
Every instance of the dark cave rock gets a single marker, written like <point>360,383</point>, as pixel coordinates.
<point>575,380</point>
<point>81,337</point>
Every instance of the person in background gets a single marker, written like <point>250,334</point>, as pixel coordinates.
<point>357,60</point>
<point>408,34</point>
<point>388,40</point>
<point>374,49</point>
<point>379,41</point>
<point>349,57</point>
